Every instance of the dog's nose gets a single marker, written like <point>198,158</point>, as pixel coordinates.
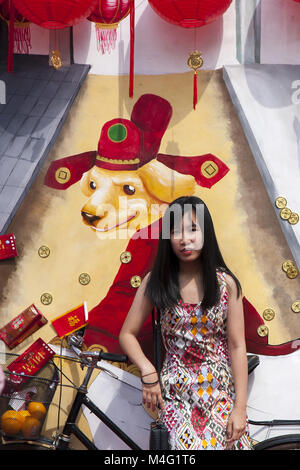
<point>89,218</point>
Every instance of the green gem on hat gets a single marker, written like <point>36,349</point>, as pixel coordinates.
<point>117,133</point>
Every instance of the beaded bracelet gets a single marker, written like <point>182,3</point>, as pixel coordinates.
<point>149,383</point>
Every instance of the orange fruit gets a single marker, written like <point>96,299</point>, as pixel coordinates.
<point>37,409</point>
<point>22,415</point>
<point>31,427</point>
<point>10,422</point>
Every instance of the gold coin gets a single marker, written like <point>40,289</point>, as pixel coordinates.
<point>135,281</point>
<point>293,218</point>
<point>62,175</point>
<point>44,251</point>
<point>292,272</point>
<point>285,213</point>
<point>84,279</point>
<point>209,169</point>
<point>268,314</point>
<point>296,306</point>
<point>287,265</point>
<point>46,298</point>
<point>125,257</point>
<point>262,330</point>
<point>280,202</point>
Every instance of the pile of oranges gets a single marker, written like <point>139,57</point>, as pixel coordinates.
<point>28,421</point>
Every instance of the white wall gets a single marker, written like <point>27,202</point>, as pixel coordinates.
<point>280,37</point>
<point>161,47</point>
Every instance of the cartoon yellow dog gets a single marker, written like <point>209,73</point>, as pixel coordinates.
<point>128,185</point>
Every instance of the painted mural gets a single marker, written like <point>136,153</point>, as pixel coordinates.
<point>87,229</point>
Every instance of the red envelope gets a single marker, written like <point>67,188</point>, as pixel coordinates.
<point>8,247</point>
<point>70,321</point>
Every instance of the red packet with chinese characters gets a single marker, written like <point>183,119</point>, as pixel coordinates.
<point>22,326</point>
<point>70,321</point>
<point>31,360</point>
<point>8,247</point>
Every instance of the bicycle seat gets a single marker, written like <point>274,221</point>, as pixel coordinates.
<point>253,362</point>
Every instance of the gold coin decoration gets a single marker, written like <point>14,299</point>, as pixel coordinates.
<point>293,218</point>
<point>125,257</point>
<point>44,251</point>
<point>292,272</point>
<point>55,59</point>
<point>268,314</point>
<point>285,213</point>
<point>195,60</point>
<point>46,298</point>
<point>296,306</point>
<point>62,175</point>
<point>287,265</point>
<point>84,279</point>
<point>209,169</point>
<point>135,281</point>
<point>280,202</point>
<point>262,330</point>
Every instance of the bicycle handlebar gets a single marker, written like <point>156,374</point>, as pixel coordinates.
<point>112,357</point>
<point>76,343</point>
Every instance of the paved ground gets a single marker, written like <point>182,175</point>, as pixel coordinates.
<point>38,99</point>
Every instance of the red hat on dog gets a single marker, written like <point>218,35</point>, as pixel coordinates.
<point>126,145</point>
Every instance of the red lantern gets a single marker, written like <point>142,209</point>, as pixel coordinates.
<point>107,15</point>
<point>191,14</point>
<point>22,40</point>
<point>55,14</point>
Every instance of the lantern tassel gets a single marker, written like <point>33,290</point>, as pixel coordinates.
<point>10,64</point>
<point>106,39</point>
<point>22,39</point>
<point>195,97</point>
<point>132,25</point>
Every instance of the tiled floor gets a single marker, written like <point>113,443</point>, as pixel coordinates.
<point>38,99</point>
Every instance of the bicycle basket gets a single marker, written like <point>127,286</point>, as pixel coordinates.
<point>24,407</point>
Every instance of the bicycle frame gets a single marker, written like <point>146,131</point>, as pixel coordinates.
<point>70,427</point>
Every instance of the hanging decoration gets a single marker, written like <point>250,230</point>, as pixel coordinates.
<point>55,14</point>
<point>107,14</point>
<point>195,62</point>
<point>191,14</point>
<point>22,38</point>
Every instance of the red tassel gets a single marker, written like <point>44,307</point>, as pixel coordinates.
<point>106,39</point>
<point>22,39</point>
<point>10,64</point>
<point>132,24</point>
<point>195,98</point>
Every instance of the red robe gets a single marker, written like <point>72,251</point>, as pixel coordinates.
<point>106,318</point>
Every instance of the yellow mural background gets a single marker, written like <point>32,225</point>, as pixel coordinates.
<point>247,229</point>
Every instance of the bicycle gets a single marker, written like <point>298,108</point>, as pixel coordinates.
<point>61,441</point>
<point>92,360</point>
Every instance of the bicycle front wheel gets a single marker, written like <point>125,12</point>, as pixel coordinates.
<point>286,442</point>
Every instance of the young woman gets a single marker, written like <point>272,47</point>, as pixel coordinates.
<point>202,388</point>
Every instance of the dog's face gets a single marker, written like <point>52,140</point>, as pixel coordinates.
<point>125,201</point>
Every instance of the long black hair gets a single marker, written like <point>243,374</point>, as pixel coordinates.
<point>163,285</point>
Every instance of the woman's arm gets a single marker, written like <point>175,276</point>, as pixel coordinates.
<point>140,309</point>
<point>237,351</point>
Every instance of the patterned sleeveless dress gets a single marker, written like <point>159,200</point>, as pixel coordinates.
<point>196,376</point>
